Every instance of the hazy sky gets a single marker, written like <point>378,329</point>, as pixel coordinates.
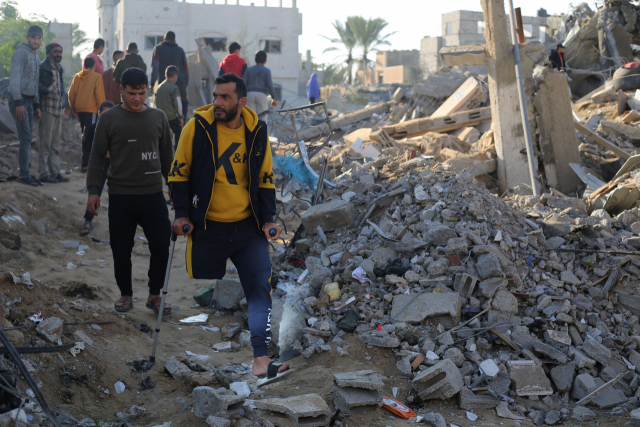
<point>412,19</point>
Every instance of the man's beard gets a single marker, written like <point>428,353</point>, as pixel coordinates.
<point>230,114</point>
<point>57,59</point>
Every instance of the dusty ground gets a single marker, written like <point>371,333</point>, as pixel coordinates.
<point>88,293</point>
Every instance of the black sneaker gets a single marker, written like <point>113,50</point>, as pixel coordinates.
<point>60,178</point>
<point>39,182</point>
<point>48,179</point>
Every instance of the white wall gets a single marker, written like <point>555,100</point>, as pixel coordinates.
<point>133,20</point>
<point>64,37</point>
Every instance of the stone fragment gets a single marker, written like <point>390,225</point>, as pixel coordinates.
<point>367,379</point>
<point>217,421</point>
<point>178,370</point>
<point>404,365</point>
<point>380,339</point>
<point>582,360</point>
<point>230,330</point>
<point>456,246</point>
<point>582,414</point>
<point>489,287</point>
<point>204,296</point>
<point>228,293</point>
<point>352,400</point>
<point>576,339</point>
<point>330,216</point>
<point>503,300</point>
<point>489,368</point>
<point>465,284</point>
<point>434,420</point>
<point>308,410</point>
<point>567,276</point>
<point>559,338</point>
<point>441,381</point>
<point>437,234</point>
<point>50,329</point>
<point>528,378</point>
<point>80,335</point>
<point>582,386</point>
<point>455,355</point>
<point>597,351</point>
<point>609,398</point>
<point>442,308</point>
<point>208,401</point>
<point>488,266</point>
<point>552,417</point>
<point>551,352</point>
<point>470,401</point>
<point>562,376</point>
<point>223,347</point>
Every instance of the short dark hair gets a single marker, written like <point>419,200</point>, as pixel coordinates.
<point>241,88</point>
<point>134,78</point>
<point>98,43</point>
<point>115,54</point>
<point>106,104</point>
<point>171,71</point>
<point>234,46</point>
<point>170,35</point>
<point>261,57</point>
<point>88,63</point>
<point>132,46</point>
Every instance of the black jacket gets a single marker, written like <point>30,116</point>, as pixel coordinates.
<point>46,79</point>
<point>556,61</point>
<point>168,53</point>
<point>203,172</point>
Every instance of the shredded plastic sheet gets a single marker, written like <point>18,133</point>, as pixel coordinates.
<point>360,275</point>
<point>77,348</point>
<point>25,279</point>
<point>195,320</point>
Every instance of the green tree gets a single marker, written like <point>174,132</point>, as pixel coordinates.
<point>334,74</point>
<point>368,35</point>
<point>79,36</point>
<point>346,41</point>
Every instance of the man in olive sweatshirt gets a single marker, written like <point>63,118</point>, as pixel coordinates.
<point>130,60</point>
<point>138,141</point>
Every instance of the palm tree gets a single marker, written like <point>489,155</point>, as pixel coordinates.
<point>348,42</point>
<point>368,35</point>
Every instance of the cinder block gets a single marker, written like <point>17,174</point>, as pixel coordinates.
<point>308,410</point>
<point>470,401</point>
<point>207,401</point>
<point>465,284</point>
<point>352,400</point>
<point>330,216</point>
<point>441,381</point>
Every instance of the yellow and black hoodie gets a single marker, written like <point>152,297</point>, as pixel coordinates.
<point>245,187</point>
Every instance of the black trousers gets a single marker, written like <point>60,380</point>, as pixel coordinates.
<point>126,212</point>
<point>85,120</point>
<point>88,216</point>
<point>177,130</point>
<point>312,100</point>
<point>185,102</point>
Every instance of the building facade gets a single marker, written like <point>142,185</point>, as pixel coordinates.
<point>272,29</point>
<point>393,66</point>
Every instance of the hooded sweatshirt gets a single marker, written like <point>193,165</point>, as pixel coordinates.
<point>25,75</point>
<point>233,64</point>
<point>168,53</point>
<point>313,88</point>
<point>130,60</point>
<point>86,92</point>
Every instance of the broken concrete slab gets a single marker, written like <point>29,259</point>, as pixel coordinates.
<point>178,370</point>
<point>597,351</point>
<point>488,266</point>
<point>367,379</point>
<point>547,350</point>
<point>444,308</point>
<point>582,414</point>
<point>308,410</point>
<point>470,401</point>
<point>217,421</point>
<point>352,400</point>
<point>562,376</point>
<point>208,401</point>
<point>528,378</point>
<point>488,288</point>
<point>503,300</point>
<point>228,293</point>
<point>609,398</point>
<point>378,339</point>
<point>559,338</point>
<point>441,381</point>
<point>583,384</point>
<point>330,216</point>
<point>50,329</point>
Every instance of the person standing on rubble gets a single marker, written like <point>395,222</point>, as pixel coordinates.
<point>111,88</point>
<point>556,58</point>
<point>24,99</point>
<point>130,60</point>
<point>222,188</point>
<point>51,90</point>
<point>165,54</point>
<point>259,84</point>
<point>313,89</point>
<point>167,99</point>
<point>138,142</point>
<point>233,63</point>
<point>98,48</point>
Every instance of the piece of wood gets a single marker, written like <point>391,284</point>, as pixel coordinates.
<point>504,339</point>
<point>459,99</point>
<point>417,362</point>
<point>603,142</point>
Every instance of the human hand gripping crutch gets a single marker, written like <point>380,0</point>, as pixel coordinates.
<point>174,237</point>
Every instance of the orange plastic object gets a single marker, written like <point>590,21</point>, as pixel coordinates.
<point>397,408</point>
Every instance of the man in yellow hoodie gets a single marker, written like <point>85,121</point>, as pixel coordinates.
<point>222,187</point>
<point>86,94</point>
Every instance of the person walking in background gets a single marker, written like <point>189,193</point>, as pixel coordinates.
<point>313,89</point>
<point>86,94</point>
<point>167,98</point>
<point>111,88</point>
<point>259,84</point>
<point>138,142</point>
<point>90,135</point>
<point>233,63</point>
<point>98,48</point>
<point>130,60</point>
<point>51,90</point>
<point>165,54</point>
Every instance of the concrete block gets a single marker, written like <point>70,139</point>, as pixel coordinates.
<point>442,307</point>
<point>551,352</point>
<point>80,335</point>
<point>465,284</point>
<point>437,234</point>
<point>228,293</point>
<point>470,401</point>
<point>50,329</point>
<point>178,370</point>
<point>352,400</point>
<point>217,421</point>
<point>489,287</point>
<point>528,378</point>
<point>597,351</point>
<point>456,246</point>
<point>207,401</point>
<point>503,300</point>
<point>562,376</point>
<point>559,338</point>
<point>605,94</point>
<point>609,398</point>
<point>582,360</point>
<point>367,379</point>
<point>582,386</point>
<point>308,410</point>
<point>489,368</point>
<point>488,266</point>
<point>330,216</point>
<point>441,381</point>
<point>380,339</point>
<point>576,339</point>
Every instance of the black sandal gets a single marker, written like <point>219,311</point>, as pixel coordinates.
<point>27,180</point>
<point>86,228</point>
<point>272,374</point>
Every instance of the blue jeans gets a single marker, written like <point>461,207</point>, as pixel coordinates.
<point>25,134</point>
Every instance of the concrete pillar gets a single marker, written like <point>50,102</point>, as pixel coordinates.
<point>294,4</point>
<point>280,3</point>
<point>308,65</point>
<point>505,107</point>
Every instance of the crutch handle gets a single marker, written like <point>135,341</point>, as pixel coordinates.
<point>186,228</point>
<point>273,232</point>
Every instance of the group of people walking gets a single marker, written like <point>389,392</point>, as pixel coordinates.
<point>221,182</point>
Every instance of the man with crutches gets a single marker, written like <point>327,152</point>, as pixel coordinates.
<point>222,189</point>
<point>138,140</point>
